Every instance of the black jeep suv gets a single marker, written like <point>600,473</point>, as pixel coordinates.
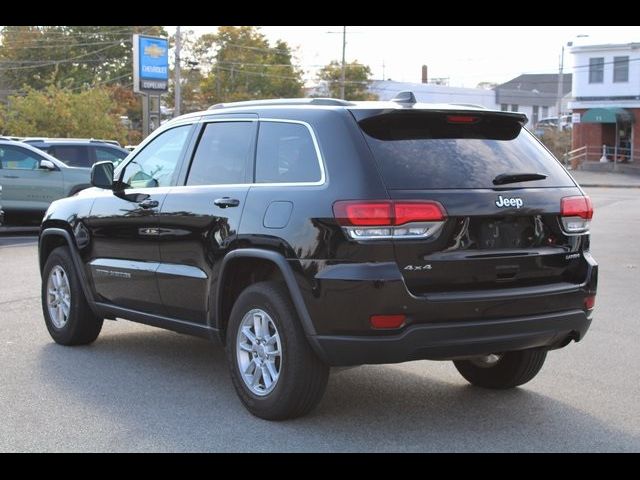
<point>311,233</point>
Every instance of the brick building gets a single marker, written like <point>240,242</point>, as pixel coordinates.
<point>606,100</point>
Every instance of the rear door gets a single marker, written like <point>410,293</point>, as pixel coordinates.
<point>200,219</point>
<point>499,231</point>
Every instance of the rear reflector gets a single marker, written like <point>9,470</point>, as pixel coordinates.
<point>386,212</point>
<point>590,302</point>
<point>387,321</point>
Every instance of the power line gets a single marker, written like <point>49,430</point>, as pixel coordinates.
<point>57,62</point>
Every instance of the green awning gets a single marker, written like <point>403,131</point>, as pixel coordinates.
<point>607,115</point>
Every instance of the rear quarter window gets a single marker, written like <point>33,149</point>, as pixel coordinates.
<point>424,150</point>
<point>73,155</point>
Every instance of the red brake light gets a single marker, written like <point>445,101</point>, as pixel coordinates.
<point>576,207</point>
<point>406,212</point>
<point>386,321</point>
<point>462,119</point>
<point>386,212</point>
<point>362,214</point>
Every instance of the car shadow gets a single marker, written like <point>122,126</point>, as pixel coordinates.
<point>174,392</point>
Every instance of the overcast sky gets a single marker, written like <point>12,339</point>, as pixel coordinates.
<point>467,55</point>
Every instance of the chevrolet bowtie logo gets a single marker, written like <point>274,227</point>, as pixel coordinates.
<point>154,51</point>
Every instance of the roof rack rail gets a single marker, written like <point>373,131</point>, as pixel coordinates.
<point>284,101</point>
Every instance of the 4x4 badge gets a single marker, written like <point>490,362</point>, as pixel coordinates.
<point>416,268</point>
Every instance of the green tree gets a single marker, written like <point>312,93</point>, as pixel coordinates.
<point>242,65</point>
<point>357,78</point>
<point>68,56</point>
<point>60,112</point>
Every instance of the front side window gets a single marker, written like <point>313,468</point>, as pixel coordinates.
<point>15,158</point>
<point>222,154</point>
<point>72,155</point>
<point>109,154</point>
<point>286,154</point>
<point>596,70</point>
<point>621,69</point>
<point>157,164</point>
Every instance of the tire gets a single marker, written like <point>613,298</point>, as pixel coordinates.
<point>81,325</point>
<point>302,376</point>
<point>510,370</point>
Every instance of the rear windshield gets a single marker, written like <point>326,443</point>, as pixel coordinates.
<point>433,150</point>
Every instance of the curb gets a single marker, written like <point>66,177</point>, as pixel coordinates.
<point>8,230</point>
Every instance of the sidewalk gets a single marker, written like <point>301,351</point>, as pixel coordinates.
<point>605,179</point>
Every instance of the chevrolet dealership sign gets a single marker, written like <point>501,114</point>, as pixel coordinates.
<point>150,64</point>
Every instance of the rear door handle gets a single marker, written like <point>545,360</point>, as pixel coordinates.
<point>10,176</point>
<point>225,202</point>
<point>148,204</point>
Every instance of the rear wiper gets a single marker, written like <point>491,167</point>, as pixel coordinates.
<point>504,178</point>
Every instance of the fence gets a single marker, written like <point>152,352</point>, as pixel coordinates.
<point>590,153</point>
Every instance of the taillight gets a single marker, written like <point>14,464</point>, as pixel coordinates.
<point>384,219</point>
<point>576,213</point>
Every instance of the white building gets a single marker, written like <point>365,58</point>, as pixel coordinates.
<point>606,98</point>
<point>431,93</point>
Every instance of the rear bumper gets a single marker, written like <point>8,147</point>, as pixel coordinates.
<point>438,341</point>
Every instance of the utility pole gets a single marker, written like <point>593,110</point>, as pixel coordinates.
<point>383,67</point>
<point>560,81</point>
<point>342,74</point>
<point>177,96</point>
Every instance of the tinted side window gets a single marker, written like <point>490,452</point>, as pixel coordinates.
<point>286,154</point>
<point>14,158</point>
<point>157,164</point>
<point>222,154</point>
<point>73,155</point>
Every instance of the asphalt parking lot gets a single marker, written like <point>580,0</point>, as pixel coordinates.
<point>142,389</point>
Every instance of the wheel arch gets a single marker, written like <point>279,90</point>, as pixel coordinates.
<point>54,236</point>
<point>280,267</point>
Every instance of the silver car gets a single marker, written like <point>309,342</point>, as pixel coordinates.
<point>31,179</point>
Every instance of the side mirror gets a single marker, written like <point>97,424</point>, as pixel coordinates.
<point>102,175</point>
<point>47,165</point>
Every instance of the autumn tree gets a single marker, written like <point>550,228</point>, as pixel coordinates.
<point>241,64</point>
<point>68,56</point>
<point>357,79</point>
<point>60,112</point>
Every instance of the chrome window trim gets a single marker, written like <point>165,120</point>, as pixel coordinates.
<point>316,145</point>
